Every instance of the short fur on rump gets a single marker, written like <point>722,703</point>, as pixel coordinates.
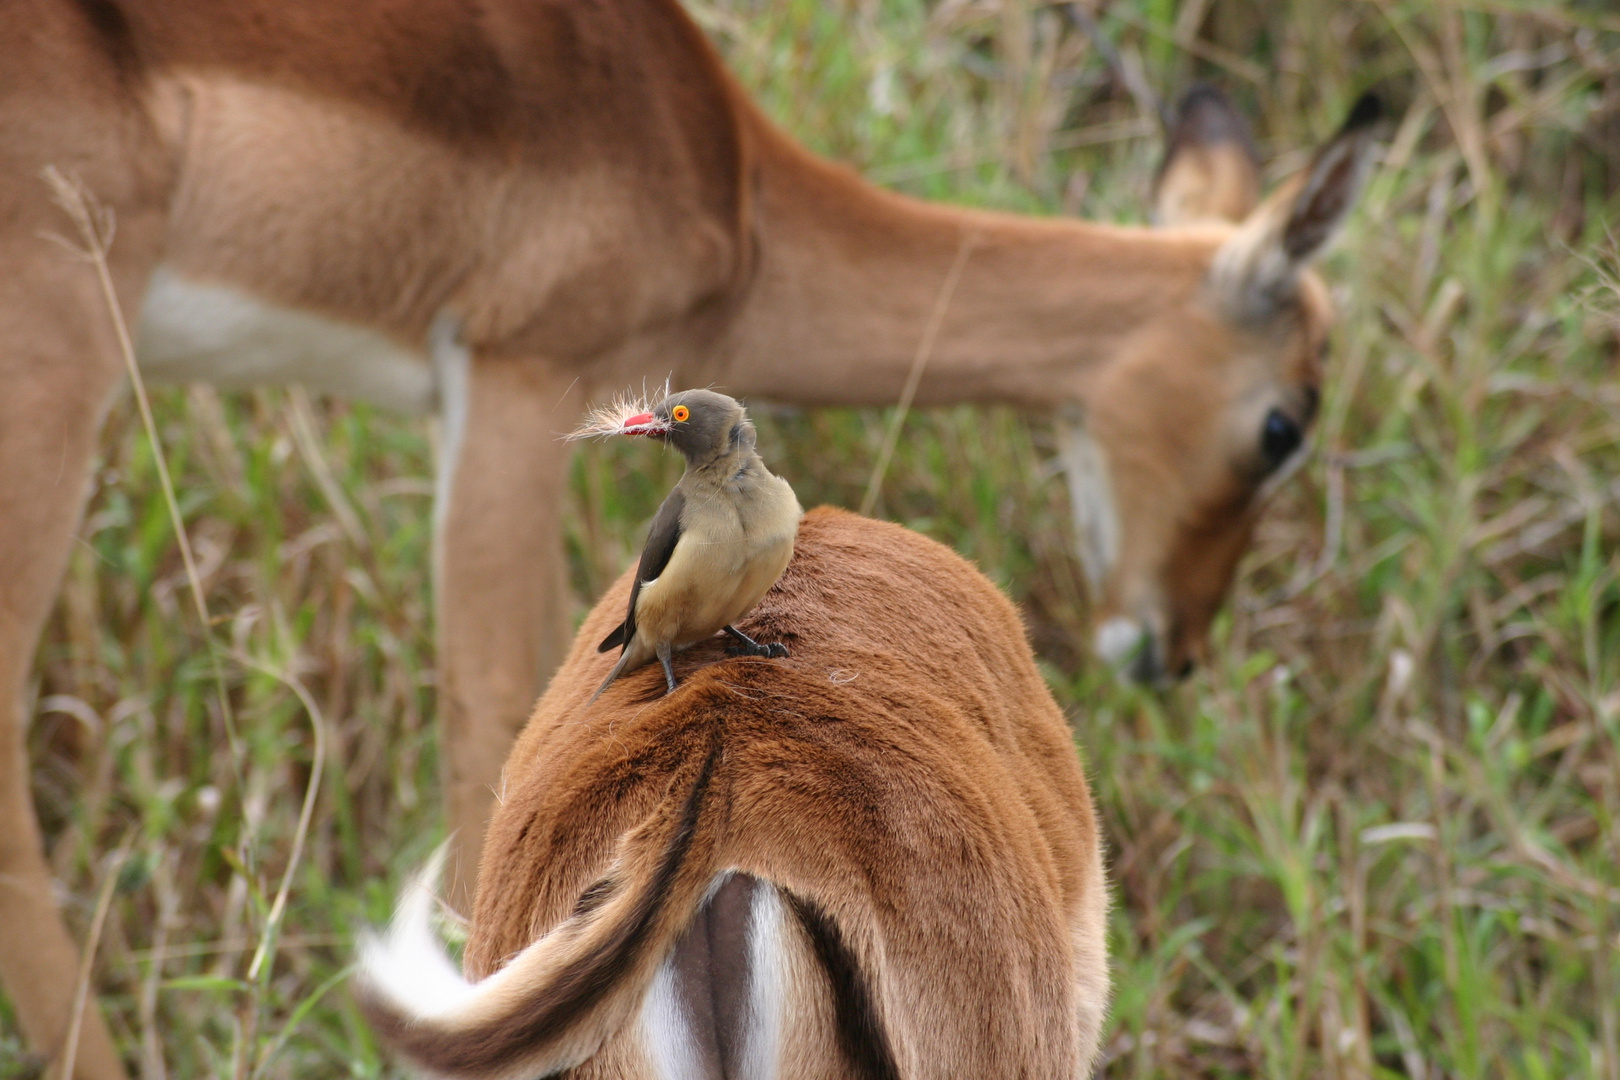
<point>905,780</point>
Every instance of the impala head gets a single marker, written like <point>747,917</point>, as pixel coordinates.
<point>1207,408</point>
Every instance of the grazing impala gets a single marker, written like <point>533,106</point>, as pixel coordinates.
<point>874,859</point>
<point>496,211</point>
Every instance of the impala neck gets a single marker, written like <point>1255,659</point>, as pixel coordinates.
<point>849,277</point>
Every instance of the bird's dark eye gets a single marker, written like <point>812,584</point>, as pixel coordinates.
<point>1279,438</point>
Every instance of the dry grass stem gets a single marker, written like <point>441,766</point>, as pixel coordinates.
<point>97,226</point>
<point>87,965</point>
<point>925,348</point>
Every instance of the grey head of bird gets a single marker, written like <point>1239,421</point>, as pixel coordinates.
<point>703,425</point>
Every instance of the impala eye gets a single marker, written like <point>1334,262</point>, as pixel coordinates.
<point>1279,438</point>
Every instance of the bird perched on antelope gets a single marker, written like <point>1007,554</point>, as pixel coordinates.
<point>719,542</point>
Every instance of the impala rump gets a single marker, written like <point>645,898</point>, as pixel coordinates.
<point>872,859</point>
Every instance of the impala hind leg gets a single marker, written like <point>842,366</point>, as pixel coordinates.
<point>59,369</point>
<point>502,589</point>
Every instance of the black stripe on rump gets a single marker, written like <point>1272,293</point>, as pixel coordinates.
<point>860,1032</point>
<point>112,30</point>
<point>569,996</point>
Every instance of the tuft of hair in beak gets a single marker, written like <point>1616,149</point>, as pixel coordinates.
<point>624,415</point>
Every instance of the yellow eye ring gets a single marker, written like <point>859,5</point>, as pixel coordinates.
<point>680,413</point>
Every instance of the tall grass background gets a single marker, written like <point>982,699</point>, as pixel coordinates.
<point>1375,837</point>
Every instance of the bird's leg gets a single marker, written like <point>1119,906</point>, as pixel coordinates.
<point>665,653</point>
<point>747,646</point>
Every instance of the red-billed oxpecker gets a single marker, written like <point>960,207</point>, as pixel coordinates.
<point>718,543</point>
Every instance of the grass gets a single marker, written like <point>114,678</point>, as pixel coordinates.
<point>1376,837</point>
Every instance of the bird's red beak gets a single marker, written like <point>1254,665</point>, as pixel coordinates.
<point>642,424</point>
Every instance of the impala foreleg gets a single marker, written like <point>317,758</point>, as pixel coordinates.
<point>502,599</point>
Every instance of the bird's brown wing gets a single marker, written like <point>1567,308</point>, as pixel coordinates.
<point>662,537</point>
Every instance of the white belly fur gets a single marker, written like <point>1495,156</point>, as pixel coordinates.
<point>191,332</point>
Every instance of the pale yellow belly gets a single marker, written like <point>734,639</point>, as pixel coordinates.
<point>708,585</point>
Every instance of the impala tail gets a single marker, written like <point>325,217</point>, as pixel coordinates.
<point>558,1001</point>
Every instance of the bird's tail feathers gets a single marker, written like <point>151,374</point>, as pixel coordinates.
<point>615,639</point>
<point>618,669</point>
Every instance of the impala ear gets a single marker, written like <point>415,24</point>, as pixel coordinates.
<point>1258,268</point>
<point>1210,170</point>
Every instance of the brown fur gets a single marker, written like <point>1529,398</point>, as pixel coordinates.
<point>584,190</point>
<point>905,779</point>
<point>1211,171</point>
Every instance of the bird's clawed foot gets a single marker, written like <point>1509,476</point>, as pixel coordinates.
<point>747,646</point>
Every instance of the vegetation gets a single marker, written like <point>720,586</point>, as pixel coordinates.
<point>1376,836</point>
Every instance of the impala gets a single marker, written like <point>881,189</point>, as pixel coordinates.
<point>874,859</point>
<point>497,212</point>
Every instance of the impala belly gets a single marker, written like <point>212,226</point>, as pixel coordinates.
<point>191,332</point>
